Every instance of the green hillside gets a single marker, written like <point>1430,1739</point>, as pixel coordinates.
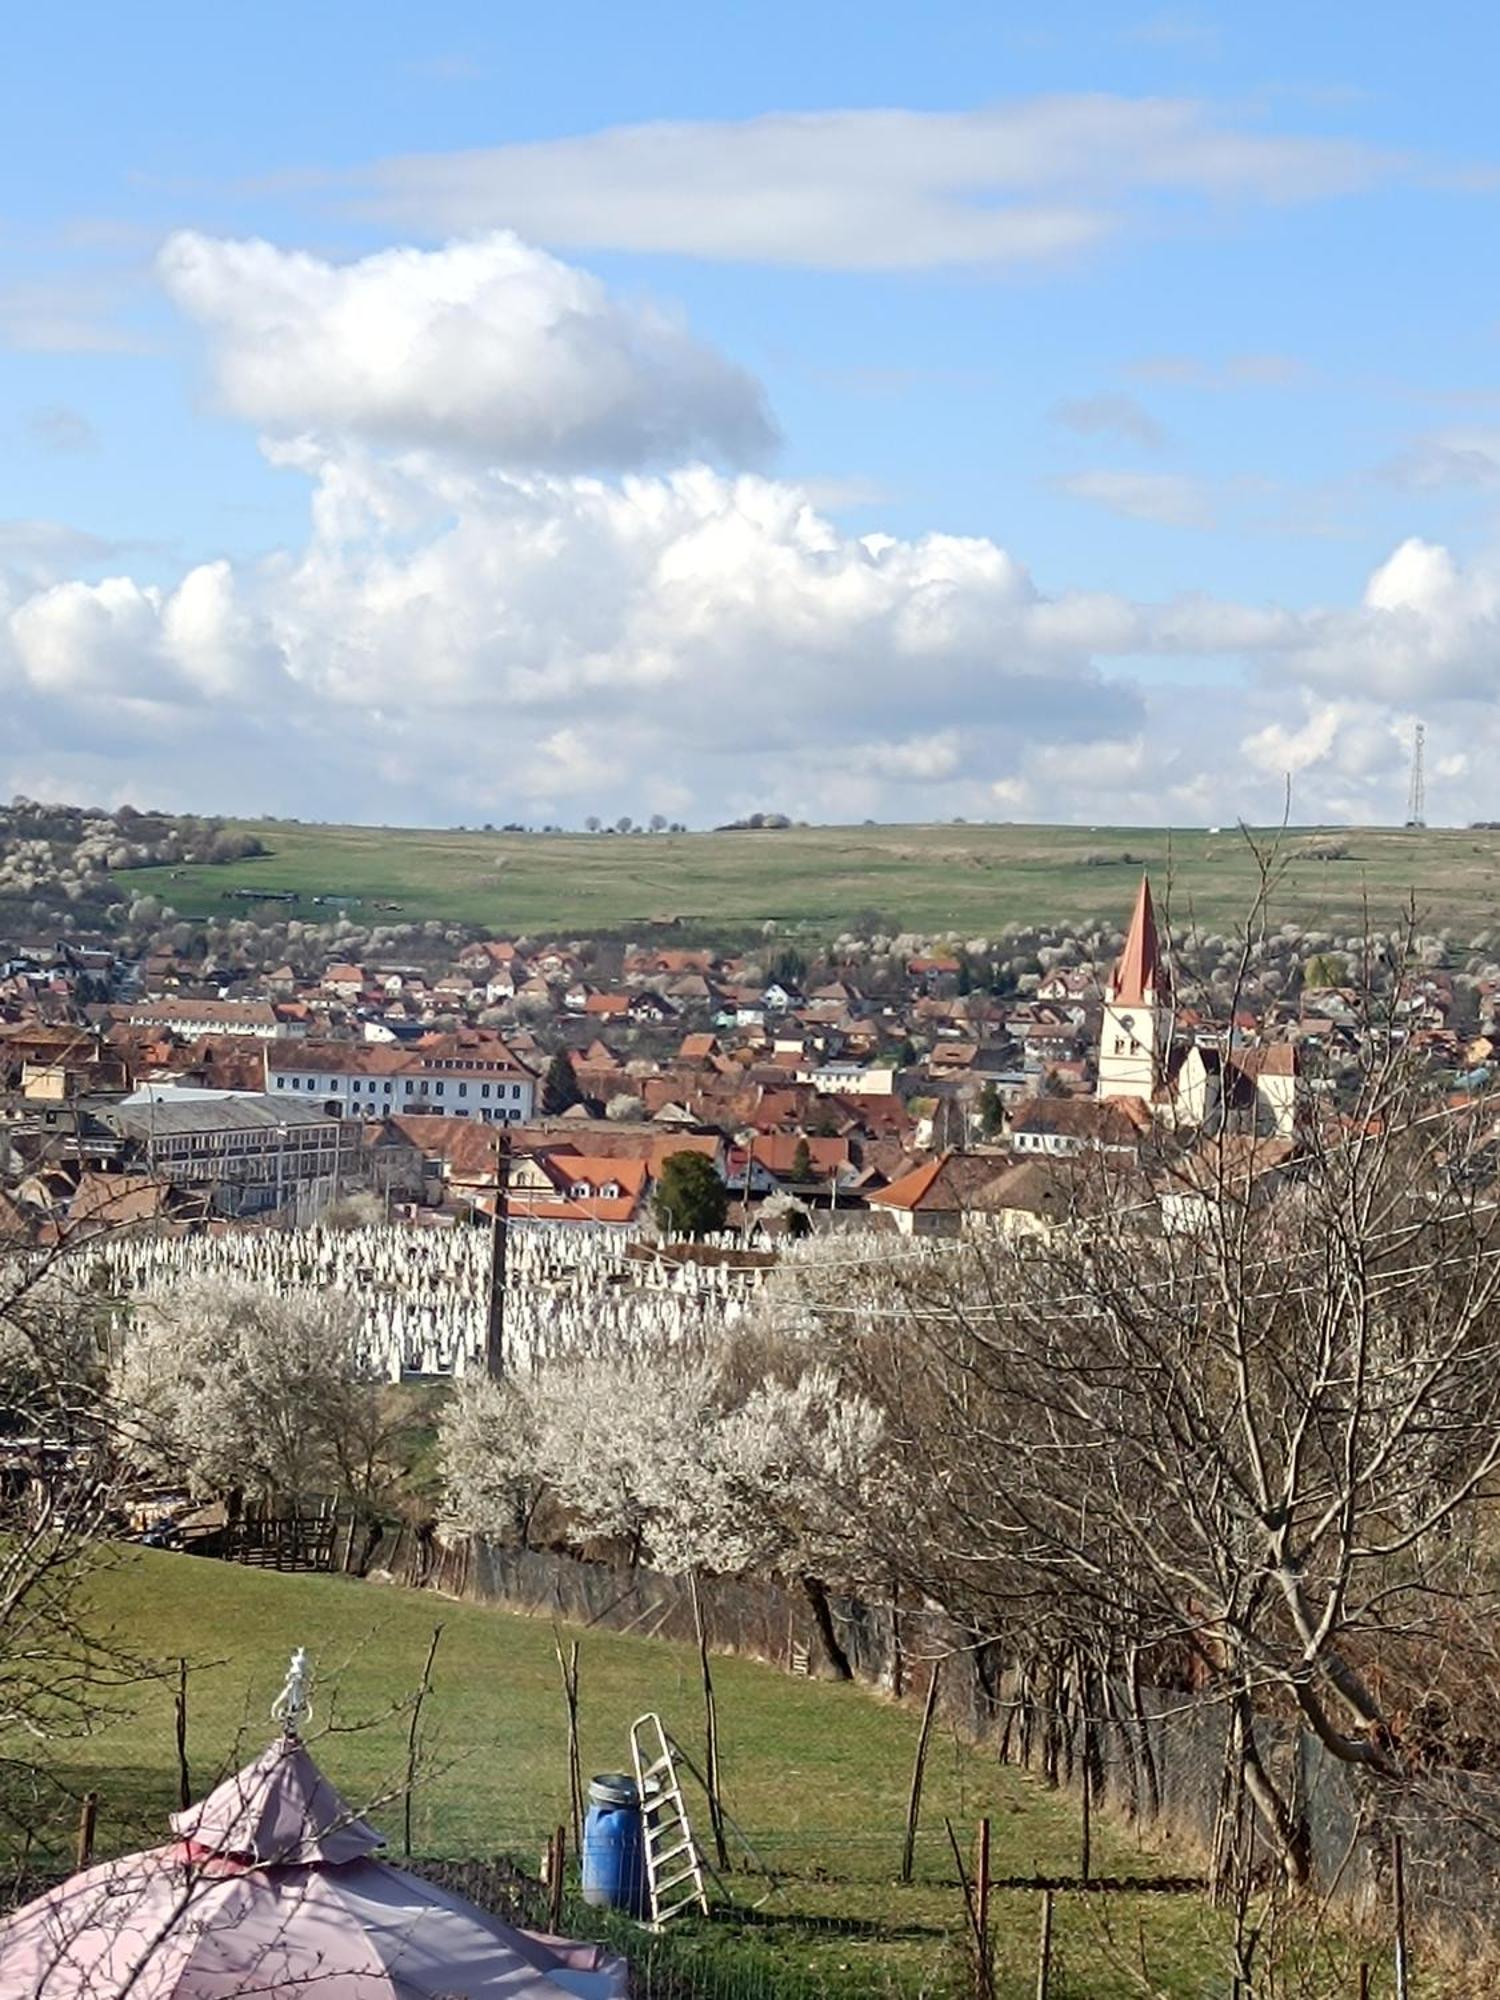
<point>817,1773</point>
<point>971,879</point>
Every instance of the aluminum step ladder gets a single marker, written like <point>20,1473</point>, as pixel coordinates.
<point>674,1866</point>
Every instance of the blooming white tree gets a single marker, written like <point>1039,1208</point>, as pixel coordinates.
<point>489,1458</point>
<point>234,1389</point>
<point>803,1470</point>
<point>695,1467</point>
<point>619,1440</point>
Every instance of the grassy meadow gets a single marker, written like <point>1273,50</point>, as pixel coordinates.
<point>817,880</point>
<point>816,1773</point>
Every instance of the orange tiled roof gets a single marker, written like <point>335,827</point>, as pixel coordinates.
<point>1138,971</point>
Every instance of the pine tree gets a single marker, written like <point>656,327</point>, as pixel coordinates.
<point>560,1090</point>
<point>690,1199</point>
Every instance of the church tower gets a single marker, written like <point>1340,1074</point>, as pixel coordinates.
<point>1136,1037</point>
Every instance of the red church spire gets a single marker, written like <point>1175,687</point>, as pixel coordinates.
<point>1139,975</point>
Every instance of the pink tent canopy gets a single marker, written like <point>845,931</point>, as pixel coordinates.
<point>272,1890</point>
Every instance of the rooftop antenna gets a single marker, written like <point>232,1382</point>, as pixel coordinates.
<point>1416,797</point>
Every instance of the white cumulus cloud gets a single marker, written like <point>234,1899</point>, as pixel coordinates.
<point>1427,629</point>
<point>490,348</point>
<point>501,610</point>
<point>457,641</point>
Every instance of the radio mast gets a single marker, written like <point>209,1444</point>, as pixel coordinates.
<point>1416,797</point>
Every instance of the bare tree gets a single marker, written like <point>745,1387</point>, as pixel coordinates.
<point>57,1495</point>
<point>1231,1417</point>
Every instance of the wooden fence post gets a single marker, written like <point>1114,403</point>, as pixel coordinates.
<point>568,1669</point>
<point>412,1738</point>
<point>1398,1883</point>
<point>710,1730</point>
<point>179,1707</point>
<point>982,1907</point>
<point>914,1799</point>
<point>983,1988</point>
<point>555,1880</point>
<point>88,1819</point>
<point>1044,1948</point>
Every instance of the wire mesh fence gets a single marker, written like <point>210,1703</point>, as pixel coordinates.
<point>1157,1759</point>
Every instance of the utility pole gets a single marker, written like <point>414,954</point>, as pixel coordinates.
<point>494,1339</point>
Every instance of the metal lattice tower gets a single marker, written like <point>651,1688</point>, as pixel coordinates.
<point>1416,797</point>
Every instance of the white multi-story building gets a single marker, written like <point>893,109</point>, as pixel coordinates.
<point>848,1079</point>
<point>190,1019</point>
<point>454,1076</point>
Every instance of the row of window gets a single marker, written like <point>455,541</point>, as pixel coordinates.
<point>470,1063</point>
<point>411,1086</point>
<point>235,1142</point>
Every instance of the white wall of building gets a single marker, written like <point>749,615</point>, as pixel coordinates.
<point>493,1099</point>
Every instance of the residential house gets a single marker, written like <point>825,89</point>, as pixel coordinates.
<point>1059,1126</point>
<point>1075,987</point>
<point>936,1197</point>
<point>645,963</point>
<point>487,956</point>
<point>344,982</point>
<point>1228,1170</point>
<point>607,1006</point>
<point>461,1156</point>
<point>1035,1197</point>
<point>553,963</point>
<point>559,1185</point>
<point>775,1155</point>
<point>849,1079</point>
<point>455,993</point>
<point>652,1009</point>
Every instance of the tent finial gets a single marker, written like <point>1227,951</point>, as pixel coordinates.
<point>292,1708</point>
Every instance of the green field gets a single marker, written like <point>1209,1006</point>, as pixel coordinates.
<point>818,880</point>
<point>817,1774</point>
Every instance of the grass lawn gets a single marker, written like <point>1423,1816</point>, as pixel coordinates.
<point>817,880</point>
<point>816,1774</point>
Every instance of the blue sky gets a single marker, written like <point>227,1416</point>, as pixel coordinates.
<point>1102,418</point>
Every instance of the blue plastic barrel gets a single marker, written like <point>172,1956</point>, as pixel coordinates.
<point>614,1867</point>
